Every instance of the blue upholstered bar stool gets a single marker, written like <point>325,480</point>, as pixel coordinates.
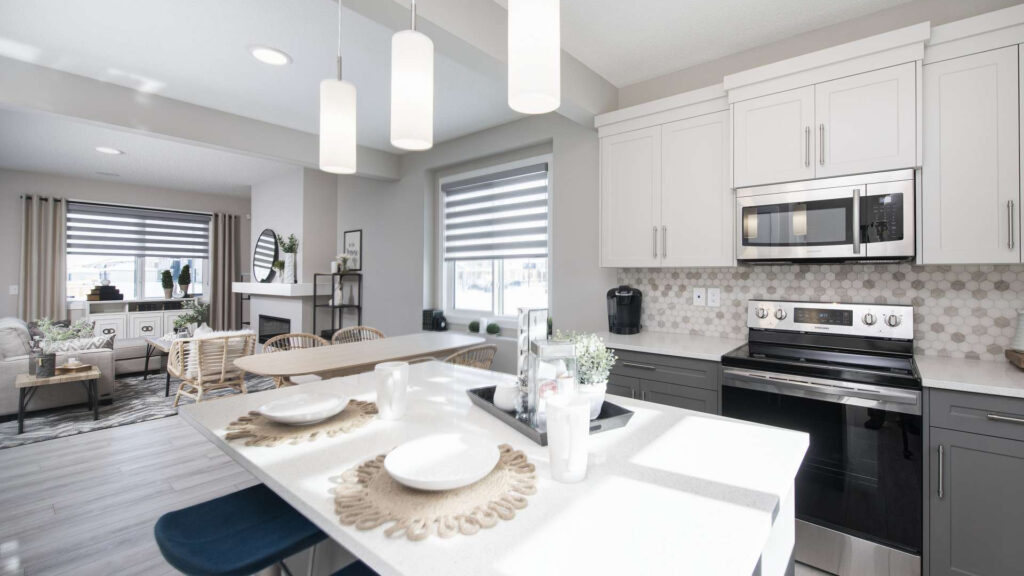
<point>234,535</point>
<point>356,568</point>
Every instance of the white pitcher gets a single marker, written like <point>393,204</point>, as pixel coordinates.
<point>568,422</point>
<point>392,387</point>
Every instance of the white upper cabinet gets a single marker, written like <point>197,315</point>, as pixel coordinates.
<point>631,198</point>
<point>696,202</point>
<point>866,122</point>
<point>773,138</point>
<point>971,182</point>
<point>861,123</point>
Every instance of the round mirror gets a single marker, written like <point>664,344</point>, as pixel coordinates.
<point>263,256</point>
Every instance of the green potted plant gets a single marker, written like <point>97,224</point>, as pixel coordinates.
<point>196,313</point>
<point>167,281</point>
<point>594,363</point>
<point>474,326</point>
<point>184,280</point>
<point>289,248</point>
<point>493,329</point>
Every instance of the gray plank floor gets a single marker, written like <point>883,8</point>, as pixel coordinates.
<point>86,504</point>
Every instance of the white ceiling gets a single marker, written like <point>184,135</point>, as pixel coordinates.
<point>41,142</point>
<point>197,51</point>
<point>630,41</point>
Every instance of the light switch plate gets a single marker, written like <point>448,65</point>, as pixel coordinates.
<point>714,297</point>
<point>13,289</point>
<point>700,296</point>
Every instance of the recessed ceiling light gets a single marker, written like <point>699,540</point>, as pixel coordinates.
<point>271,56</point>
<point>109,150</point>
<point>110,174</point>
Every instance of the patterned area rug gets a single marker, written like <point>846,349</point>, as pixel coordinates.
<point>135,400</point>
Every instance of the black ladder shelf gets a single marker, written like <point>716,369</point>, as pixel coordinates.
<point>338,279</point>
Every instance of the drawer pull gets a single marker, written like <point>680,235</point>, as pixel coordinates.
<point>640,366</point>
<point>108,331</point>
<point>941,494</point>
<point>1009,419</point>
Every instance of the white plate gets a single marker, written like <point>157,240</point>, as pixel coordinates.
<point>442,461</point>
<point>303,408</point>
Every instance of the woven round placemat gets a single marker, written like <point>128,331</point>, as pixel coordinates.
<point>367,497</point>
<point>260,431</point>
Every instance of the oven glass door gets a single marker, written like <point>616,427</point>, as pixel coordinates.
<point>863,470</point>
<point>813,224</point>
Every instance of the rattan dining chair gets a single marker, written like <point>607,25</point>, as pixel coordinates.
<point>295,341</point>
<point>207,364</point>
<point>476,357</point>
<point>356,334</point>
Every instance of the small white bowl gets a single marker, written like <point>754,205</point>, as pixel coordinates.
<point>442,461</point>
<point>303,408</point>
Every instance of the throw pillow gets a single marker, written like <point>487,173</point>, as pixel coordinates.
<point>14,338</point>
<point>80,344</point>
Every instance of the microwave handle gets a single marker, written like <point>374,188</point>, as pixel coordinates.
<point>856,220</point>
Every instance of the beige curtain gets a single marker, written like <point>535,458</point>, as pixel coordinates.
<point>43,286</point>
<point>223,271</point>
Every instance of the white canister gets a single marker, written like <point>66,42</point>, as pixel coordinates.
<point>1018,338</point>
<point>289,268</point>
<point>392,389</point>
<point>568,427</point>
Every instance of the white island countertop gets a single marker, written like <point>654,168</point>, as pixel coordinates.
<point>673,492</point>
<point>670,344</point>
<point>997,377</point>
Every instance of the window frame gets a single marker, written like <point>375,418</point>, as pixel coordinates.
<point>446,269</point>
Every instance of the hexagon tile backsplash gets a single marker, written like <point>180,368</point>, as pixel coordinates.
<point>963,311</point>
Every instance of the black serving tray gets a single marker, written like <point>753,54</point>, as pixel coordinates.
<point>612,416</point>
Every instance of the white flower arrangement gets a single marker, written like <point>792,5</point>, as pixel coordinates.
<point>594,360</point>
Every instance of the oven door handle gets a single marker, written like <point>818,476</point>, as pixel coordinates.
<point>827,390</point>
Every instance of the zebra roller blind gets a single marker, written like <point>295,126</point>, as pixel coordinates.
<point>100,229</point>
<point>499,215</point>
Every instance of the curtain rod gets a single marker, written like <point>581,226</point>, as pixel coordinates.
<point>142,207</point>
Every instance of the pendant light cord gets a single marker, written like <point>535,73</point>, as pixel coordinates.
<point>412,16</point>
<point>339,39</point>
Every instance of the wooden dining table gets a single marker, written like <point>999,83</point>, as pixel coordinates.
<point>673,492</point>
<point>353,358</point>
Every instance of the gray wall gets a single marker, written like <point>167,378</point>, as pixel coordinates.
<point>399,223</point>
<point>709,73</point>
<point>14,184</point>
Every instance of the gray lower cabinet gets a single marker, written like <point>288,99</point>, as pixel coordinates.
<point>975,484</point>
<point>669,380</point>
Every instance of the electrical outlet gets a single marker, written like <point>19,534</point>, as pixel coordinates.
<point>700,296</point>
<point>714,297</point>
<point>13,289</point>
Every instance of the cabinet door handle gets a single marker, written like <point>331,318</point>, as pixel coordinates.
<point>807,145</point>
<point>664,241</point>
<point>1007,419</point>
<point>821,144</point>
<point>654,240</point>
<point>941,466</point>
<point>1009,225</point>
<point>643,395</point>
<point>640,366</point>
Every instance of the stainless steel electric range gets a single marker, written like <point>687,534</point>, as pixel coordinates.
<point>845,374</point>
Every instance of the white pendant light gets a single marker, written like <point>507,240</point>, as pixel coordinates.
<point>412,89</point>
<point>338,121</point>
<point>534,56</point>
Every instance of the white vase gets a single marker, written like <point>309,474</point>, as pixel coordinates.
<point>289,268</point>
<point>595,394</point>
<point>334,267</point>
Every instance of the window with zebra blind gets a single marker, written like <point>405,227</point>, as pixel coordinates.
<point>495,227</point>
<point>130,247</point>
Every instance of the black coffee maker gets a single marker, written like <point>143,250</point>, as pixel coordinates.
<point>624,310</point>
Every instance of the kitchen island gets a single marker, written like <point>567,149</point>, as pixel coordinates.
<point>674,492</point>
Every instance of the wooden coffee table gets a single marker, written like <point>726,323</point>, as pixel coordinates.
<point>27,384</point>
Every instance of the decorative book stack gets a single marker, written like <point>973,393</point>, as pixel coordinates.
<point>104,293</point>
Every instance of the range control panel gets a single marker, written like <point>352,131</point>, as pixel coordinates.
<point>872,320</point>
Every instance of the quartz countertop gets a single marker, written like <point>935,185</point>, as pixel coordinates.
<point>673,492</point>
<point>996,377</point>
<point>671,344</point>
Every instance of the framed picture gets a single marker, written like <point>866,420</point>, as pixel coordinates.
<point>353,241</point>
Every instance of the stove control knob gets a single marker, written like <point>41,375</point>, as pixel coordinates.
<point>893,320</point>
<point>869,319</point>
<point>761,313</point>
<point>780,314</point>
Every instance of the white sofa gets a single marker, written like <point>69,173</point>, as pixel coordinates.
<point>14,360</point>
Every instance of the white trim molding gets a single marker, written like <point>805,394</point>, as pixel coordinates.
<point>881,51</point>
<point>697,102</point>
<point>980,33</point>
<point>273,289</point>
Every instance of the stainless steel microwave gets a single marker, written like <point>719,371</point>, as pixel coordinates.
<point>863,217</point>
